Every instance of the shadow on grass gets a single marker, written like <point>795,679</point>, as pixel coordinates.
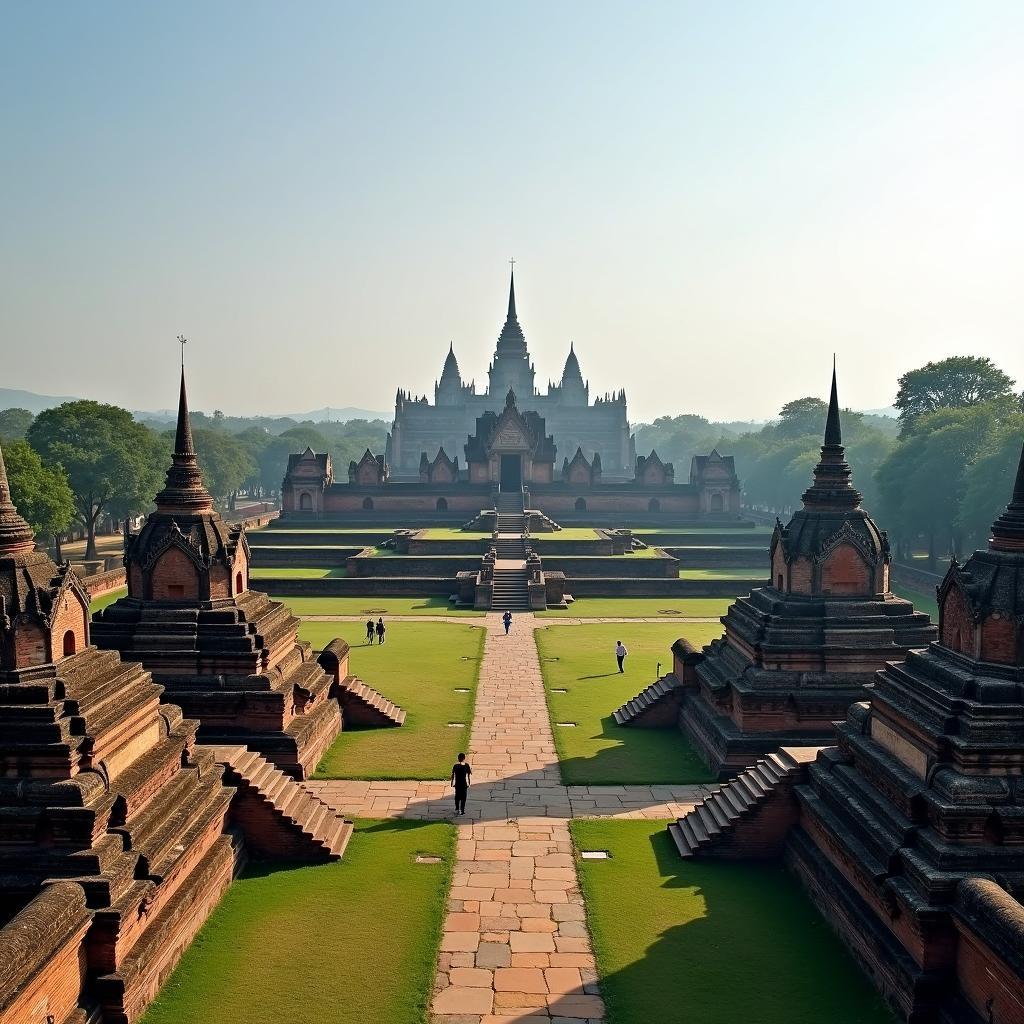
<point>714,941</point>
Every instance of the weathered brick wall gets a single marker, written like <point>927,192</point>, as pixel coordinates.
<point>800,576</point>
<point>1000,639</point>
<point>844,571</point>
<point>104,582</point>
<point>31,645</point>
<point>174,576</point>
<point>71,617</point>
<point>957,628</point>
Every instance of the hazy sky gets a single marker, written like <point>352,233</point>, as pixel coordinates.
<point>707,198</point>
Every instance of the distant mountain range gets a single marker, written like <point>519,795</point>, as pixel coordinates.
<point>14,398</point>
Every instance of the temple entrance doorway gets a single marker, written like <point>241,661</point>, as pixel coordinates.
<point>511,472</point>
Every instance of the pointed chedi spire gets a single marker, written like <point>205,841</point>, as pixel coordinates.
<point>512,295</point>
<point>1008,529</point>
<point>16,536</point>
<point>831,489</point>
<point>184,490</point>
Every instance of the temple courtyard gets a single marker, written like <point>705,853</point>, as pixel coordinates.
<point>558,897</point>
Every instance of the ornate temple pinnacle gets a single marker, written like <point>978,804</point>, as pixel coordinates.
<point>184,490</point>
<point>1008,529</point>
<point>512,293</point>
<point>15,533</point>
<point>831,489</point>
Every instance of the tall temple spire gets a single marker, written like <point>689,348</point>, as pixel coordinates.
<point>16,536</point>
<point>831,489</point>
<point>512,292</point>
<point>184,491</point>
<point>1008,529</point>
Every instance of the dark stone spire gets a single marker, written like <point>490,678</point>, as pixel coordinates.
<point>512,295</point>
<point>831,489</point>
<point>184,490</point>
<point>451,364</point>
<point>1008,529</point>
<point>571,372</point>
<point>16,535</point>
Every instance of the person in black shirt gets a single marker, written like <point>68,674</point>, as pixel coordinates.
<point>461,771</point>
<point>369,631</point>
<point>380,631</point>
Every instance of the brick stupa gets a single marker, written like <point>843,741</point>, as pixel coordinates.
<point>797,653</point>
<point>911,835</point>
<point>228,655</point>
<point>112,821</point>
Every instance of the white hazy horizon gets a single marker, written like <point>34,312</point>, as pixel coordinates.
<point>707,201</point>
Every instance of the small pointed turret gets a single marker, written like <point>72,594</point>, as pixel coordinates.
<point>831,488</point>
<point>16,536</point>
<point>1008,529</point>
<point>512,295</point>
<point>184,490</point>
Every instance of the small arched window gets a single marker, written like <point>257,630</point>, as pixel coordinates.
<point>70,643</point>
<point>654,505</point>
<point>717,502</point>
<point>368,504</point>
<point>442,505</point>
<point>305,502</point>
<point>780,587</point>
<point>581,504</point>
<point>239,583</point>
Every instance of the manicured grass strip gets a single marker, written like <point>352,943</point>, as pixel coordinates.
<point>581,660</point>
<point>419,668</point>
<point>755,531</point>
<point>641,608</point>
<point>374,605</point>
<point>710,941</point>
<point>297,574</point>
<point>759,572</point>
<point>99,603</point>
<point>923,598</point>
<point>450,533</point>
<point>347,942</point>
<point>566,533</point>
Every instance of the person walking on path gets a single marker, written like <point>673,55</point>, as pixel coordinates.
<point>380,631</point>
<point>620,654</point>
<point>369,631</point>
<point>507,619</point>
<point>461,771</point>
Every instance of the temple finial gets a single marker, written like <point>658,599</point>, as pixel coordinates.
<point>512,291</point>
<point>1008,529</point>
<point>183,444</point>
<point>833,430</point>
<point>184,490</point>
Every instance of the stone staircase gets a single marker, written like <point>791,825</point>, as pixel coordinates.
<point>750,815</point>
<point>510,590</point>
<point>278,816</point>
<point>658,701</point>
<point>363,705</point>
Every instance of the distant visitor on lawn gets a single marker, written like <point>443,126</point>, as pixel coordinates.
<point>381,629</point>
<point>507,619</point>
<point>461,771</point>
<point>369,631</point>
<point>620,654</point>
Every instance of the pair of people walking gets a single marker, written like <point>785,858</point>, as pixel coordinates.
<point>377,629</point>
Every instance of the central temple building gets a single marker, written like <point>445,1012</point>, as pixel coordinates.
<point>599,428</point>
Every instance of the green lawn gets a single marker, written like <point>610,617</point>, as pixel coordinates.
<point>710,941</point>
<point>755,531</point>
<point>297,574</point>
<point>374,605</point>
<point>99,603</point>
<point>641,608</point>
<point>924,599</point>
<point>581,660</point>
<point>754,573</point>
<point>453,533</point>
<point>346,942</point>
<point>419,668</point>
<point>566,533</point>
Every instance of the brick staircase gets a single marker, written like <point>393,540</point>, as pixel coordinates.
<point>510,591</point>
<point>363,705</point>
<point>750,815</point>
<point>278,816</point>
<point>657,701</point>
<point>510,586</point>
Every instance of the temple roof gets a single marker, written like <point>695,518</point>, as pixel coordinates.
<point>571,373</point>
<point>451,364</point>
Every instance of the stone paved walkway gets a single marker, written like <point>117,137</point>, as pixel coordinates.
<point>515,946</point>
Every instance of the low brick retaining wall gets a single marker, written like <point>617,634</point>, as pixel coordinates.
<point>302,558</point>
<point>900,572</point>
<point>613,566</point>
<point>593,586</point>
<point>281,538</point>
<point>347,586</point>
<point>720,558</point>
<point>403,565</point>
<point>103,582</point>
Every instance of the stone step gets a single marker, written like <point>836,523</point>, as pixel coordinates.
<point>728,808</point>
<point>361,704</point>
<point>646,700</point>
<point>278,816</point>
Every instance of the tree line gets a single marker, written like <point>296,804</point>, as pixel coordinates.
<point>82,461</point>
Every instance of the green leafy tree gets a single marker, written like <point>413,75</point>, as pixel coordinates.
<point>225,463</point>
<point>801,417</point>
<point>954,383</point>
<point>110,459</point>
<point>14,424</point>
<point>41,493</point>
<point>989,479</point>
